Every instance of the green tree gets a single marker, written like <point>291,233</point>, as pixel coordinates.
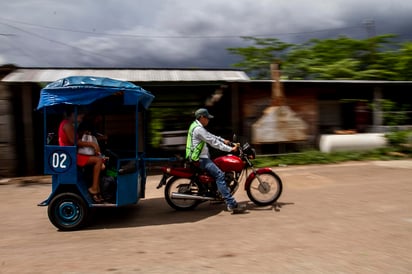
<point>340,58</point>
<point>257,58</point>
<point>375,58</point>
<point>402,62</point>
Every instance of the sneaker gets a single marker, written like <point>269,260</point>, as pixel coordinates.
<point>236,209</point>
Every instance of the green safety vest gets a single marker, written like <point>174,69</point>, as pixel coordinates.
<point>193,153</point>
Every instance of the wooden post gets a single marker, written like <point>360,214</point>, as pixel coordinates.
<point>278,97</point>
<point>28,134</point>
<point>377,110</point>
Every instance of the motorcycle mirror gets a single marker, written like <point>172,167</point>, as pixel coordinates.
<point>234,138</point>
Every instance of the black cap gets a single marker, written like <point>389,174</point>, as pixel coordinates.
<point>203,112</point>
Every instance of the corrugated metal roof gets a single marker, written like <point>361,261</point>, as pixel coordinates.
<point>334,81</point>
<point>131,75</point>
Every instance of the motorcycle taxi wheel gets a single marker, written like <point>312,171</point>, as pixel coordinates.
<point>68,211</point>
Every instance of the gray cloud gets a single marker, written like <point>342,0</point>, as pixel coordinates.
<point>184,33</point>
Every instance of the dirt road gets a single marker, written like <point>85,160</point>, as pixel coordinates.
<point>345,218</point>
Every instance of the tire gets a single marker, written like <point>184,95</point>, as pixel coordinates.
<point>68,211</point>
<point>266,193</point>
<point>183,186</point>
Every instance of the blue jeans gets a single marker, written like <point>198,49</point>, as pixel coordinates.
<point>209,166</point>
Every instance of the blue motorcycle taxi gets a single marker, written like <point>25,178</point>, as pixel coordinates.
<point>122,108</point>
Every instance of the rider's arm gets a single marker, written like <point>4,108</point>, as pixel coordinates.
<point>213,140</point>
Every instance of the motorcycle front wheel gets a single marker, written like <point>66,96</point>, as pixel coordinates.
<point>265,189</point>
<point>179,185</point>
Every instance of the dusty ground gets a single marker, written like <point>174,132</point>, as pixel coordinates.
<point>346,218</point>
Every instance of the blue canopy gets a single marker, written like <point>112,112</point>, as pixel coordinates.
<point>84,90</point>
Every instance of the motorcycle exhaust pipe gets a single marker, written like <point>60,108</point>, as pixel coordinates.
<point>190,197</point>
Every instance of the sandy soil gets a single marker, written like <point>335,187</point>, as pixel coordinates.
<point>345,218</point>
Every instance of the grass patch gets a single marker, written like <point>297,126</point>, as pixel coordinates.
<point>317,157</point>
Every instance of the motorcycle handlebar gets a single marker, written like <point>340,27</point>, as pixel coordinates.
<point>237,145</point>
<point>232,144</point>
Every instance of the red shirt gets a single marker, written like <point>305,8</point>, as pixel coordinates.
<point>64,141</point>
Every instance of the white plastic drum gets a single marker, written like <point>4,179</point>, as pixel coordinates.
<point>351,142</point>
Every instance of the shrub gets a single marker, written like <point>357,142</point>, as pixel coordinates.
<point>397,138</point>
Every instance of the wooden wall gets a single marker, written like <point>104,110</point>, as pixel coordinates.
<point>8,159</point>
<point>241,105</point>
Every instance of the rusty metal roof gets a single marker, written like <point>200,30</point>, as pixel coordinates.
<point>131,75</point>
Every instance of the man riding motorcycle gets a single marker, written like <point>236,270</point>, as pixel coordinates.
<point>198,152</point>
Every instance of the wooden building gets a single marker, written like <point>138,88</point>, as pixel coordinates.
<point>236,101</point>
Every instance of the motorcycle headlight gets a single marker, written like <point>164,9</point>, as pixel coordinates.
<point>245,147</point>
<point>249,151</point>
<point>252,154</point>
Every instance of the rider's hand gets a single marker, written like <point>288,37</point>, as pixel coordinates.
<point>234,149</point>
<point>227,142</point>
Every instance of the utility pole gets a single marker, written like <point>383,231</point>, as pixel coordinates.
<point>370,27</point>
<point>377,93</point>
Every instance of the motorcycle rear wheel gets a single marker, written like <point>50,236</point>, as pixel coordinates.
<point>181,186</point>
<point>267,191</point>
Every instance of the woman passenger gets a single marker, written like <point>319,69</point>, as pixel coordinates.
<point>66,138</point>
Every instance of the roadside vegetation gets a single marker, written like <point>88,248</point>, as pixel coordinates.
<point>399,147</point>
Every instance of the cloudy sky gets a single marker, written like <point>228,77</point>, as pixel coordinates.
<point>179,33</point>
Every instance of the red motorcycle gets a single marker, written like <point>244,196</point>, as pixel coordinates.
<point>187,187</point>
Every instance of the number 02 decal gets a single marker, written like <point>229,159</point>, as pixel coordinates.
<point>59,161</point>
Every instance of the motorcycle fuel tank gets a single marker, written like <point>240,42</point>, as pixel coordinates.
<point>229,163</point>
